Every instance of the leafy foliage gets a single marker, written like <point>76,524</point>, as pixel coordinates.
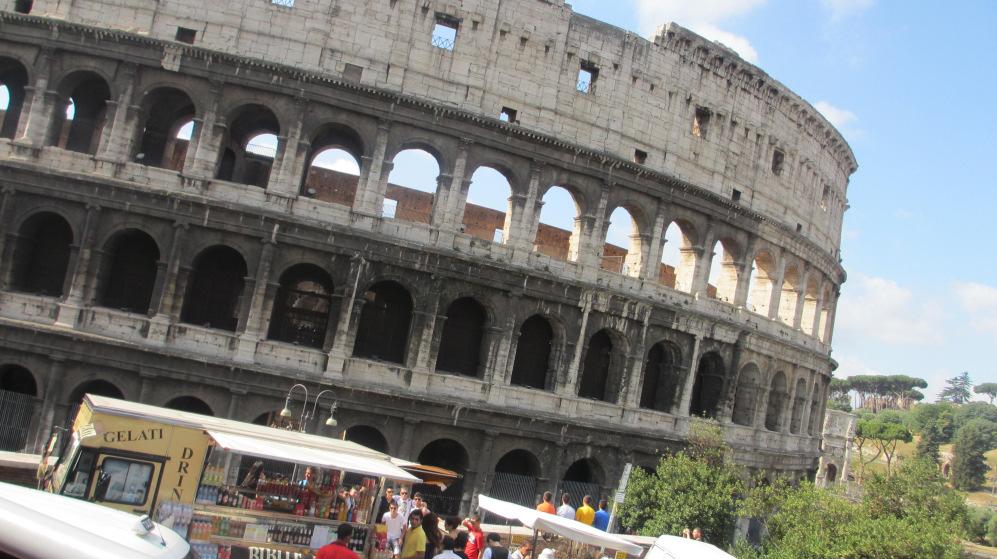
<point>884,431</point>
<point>969,466</point>
<point>981,526</point>
<point>939,418</point>
<point>957,389</point>
<point>879,392</point>
<point>988,388</point>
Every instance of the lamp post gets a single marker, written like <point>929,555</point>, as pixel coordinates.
<point>305,416</point>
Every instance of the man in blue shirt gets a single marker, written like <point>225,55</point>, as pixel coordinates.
<point>601,517</point>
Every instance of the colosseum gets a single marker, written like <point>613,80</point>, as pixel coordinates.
<point>155,247</point>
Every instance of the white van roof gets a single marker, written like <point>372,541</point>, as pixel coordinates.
<point>674,547</point>
<point>36,525</point>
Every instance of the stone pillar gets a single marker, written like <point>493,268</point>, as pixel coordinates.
<point>492,367</point>
<point>776,296</point>
<point>568,386</point>
<point>651,269</point>
<point>251,334</point>
<point>631,397</point>
<point>288,167</point>
<point>7,194</point>
<point>164,290</point>
<point>591,237</point>
<point>801,297</point>
<point>209,134</point>
<point>373,179</point>
<point>405,445</point>
<point>147,384</point>
<point>424,339</point>
<point>79,271</point>
<point>690,380</point>
<point>234,401</point>
<point>520,225</point>
<point>39,102</point>
<point>745,264</point>
<point>831,315</point>
<point>704,260</point>
<point>46,418</point>
<point>342,344</point>
<point>451,192</point>
<point>482,472</point>
<point>815,331</point>
<point>117,137</point>
<point>725,407</point>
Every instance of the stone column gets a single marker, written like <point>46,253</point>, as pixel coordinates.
<point>776,296</point>
<point>288,168</point>
<point>250,335</point>
<point>209,138</point>
<point>520,225</point>
<point>164,291</point>
<point>591,231</point>
<point>116,139</point>
<point>7,194</point>
<point>349,314</point>
<point>690,380</point>
<point>651,268</point>
<point>39,102</point>
<point>425,337</point>
<point>46,418</point>
<point>79,270</point>
<point>745,264</point>
<point>631,397</point>
<point>568,385</point>
<point>451,193</point>
<point>234,401</point>
<point>405,450</point>
<point>815,332</point>
<point>704,260</point>
<point>492,367</point>
<point>373,179</point>
<point>831,315</point>
<point>147,384</point>
<point>801,297</point>
<point>481,473</point>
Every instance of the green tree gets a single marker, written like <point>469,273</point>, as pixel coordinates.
<point>973,410</point>
<point>957,389</point>
<point>839,400</point>
<point>969,466</point>
<point>928,443</point>
<point>988,388</point>
<point>884,431</point>
<point>940,417</point>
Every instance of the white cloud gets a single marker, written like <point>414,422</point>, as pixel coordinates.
<point>702,17</point>
<point>840,118</point>
<point>980,301</point>
<point>841,9</point>
<point>880,309</point>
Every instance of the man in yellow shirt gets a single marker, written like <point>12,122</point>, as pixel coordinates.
<point>415,540</point>
<point>585,513</point>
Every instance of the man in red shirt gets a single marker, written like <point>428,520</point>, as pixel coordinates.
<point>338,549</point>
<point>475,537</point>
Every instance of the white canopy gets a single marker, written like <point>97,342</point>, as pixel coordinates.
<point>674,547</point>
<point>367,465</point>
<point>571,529</point>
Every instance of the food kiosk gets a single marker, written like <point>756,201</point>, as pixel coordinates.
<point>235,490</point>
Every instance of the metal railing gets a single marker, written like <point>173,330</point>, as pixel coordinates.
<point>16,410</point>
<point>577,490</point>
<point>442,42</point>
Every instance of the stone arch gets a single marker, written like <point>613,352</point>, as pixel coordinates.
<point>164,112</point>
<point>600,374</point>
<point>81,113</point>
<point>190,404</point>
<point>333,164</point>
<point>449,454</point>
<point>13,79</point>
<point>724,272</point>
<point>816,409</point>
<point>623,229</point>
<point>799,403</point>
<point>679,255</point>
<point>777,402</point>
<point>825,313</point>
<point>98,387</point>
<point>368,436</point>
<point>788,298</point>
<point>463,337</point>
<point>41,254</point>
<point>127,272</point>
<point>761,282</point>
<point>519,461</point>
<point>250,145</point>
<point>302,306</point>
<point>515,477</point>
<point>749,391</point>
<point>413,184</point>
<point>661,380</point>
<point>18,400</point>
<point>810,305</point>
<point>383,329</point>
<point>532,366</point>
<point>584,476</point>
<point>216,284</point>
<point>557,236</point>
<point>487,211</point>
<point>707,389</point>
<point>832,473</point>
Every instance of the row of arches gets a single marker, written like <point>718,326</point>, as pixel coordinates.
<point>776,405</point>
<point>337,158</point>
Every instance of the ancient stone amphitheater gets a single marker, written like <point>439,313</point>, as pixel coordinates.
<point>156,248</point>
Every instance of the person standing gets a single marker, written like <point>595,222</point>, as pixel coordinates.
<point>494,549</point>
<point>460,545</point>
<point>434,536</point>
<point>547,505</point>
<point>601,520</point>
<point>404,503</point>
<point>396,528</point>
<point>585,513</point>
<point>386,499</point>
<point>524,550</point>
<point>339,548</point>
<point>475,537</point>
<point>448,549</point>
<point>697,534</point>
<point>566,510</point>
<point>415,539</point>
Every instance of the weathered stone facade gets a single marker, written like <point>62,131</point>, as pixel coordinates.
<point>519,357</point>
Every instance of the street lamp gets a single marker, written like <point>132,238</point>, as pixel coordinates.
<point>305,416</point>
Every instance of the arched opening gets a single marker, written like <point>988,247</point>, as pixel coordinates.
<point>368,437</point>
<point>384,323</point>
<point>661,380</point>
<point>463,334</point>
<point>790,288</point>
<point>583,477</point>
<point>832,473</point>
<point>18,400</point>
<point>708,386</point>
<point>216,285</point>
<point>189,404</point>
<point>41,255</point>
<point>333,171</point>
<point>80,116</point>
<point>13,79</point>
<point>595,381</point>
<point>165,112</point>
<point>487,209</point>
<point>127,272</point>
<point>723,271</point>
<point>412,186</point>
<point>816,410</point>
<point>749,389</point>
<point>760,283</point>
<point>825,312</point>
<point>533,349</point>
<point>678,256</point>
<point>516,478</point>
<point>95,387</point>
<point>777,402</point>
<point>809,307</point>
<point>449,454</point>
<point>559,229</point>
<point>249,147</point>
<point>301,308</point>
<point>799,402</point>
<point>622,248</point>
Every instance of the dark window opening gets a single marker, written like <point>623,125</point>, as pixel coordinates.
<point>701,122</point>
<point>532,364</point>
<point>445,32</point>
<point>735,195</point>
<point>23,6</point>
<point>640,156</point>
<point>508,115</point>
<point>186,35</point>
<point>250,147</point>
<point>519,462</point>
<point>824,196</point>
<point>128,272</point>
<point>449,454</point>
<point>41,255</point>
<point>368,437</point>
<point>167,117</point>
<point>747,395</point>
<point>799,227</point>
<point>588,73</point>
<point>799,402</point>
<point>80,118</point>
<point>660,379</point>
<point>777,402</point>
<point>463,333</point>
<point>595,375</point>
<point>778,160</point>
<point>708,387</point>
<point>352,73</point>
<point>216,286</point>
<point>18,403</point>
<point>13,79</point>
<point>301,309</point>
<point>189,404</point>
<point>384,323</point>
